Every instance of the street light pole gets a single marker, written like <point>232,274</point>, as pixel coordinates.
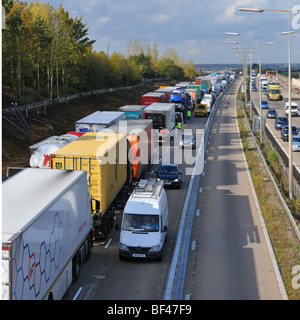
<point>291,189</point>
<point>260,108</point>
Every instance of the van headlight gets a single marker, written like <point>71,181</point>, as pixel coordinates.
<point>155,248</point>
<point>123,246</point>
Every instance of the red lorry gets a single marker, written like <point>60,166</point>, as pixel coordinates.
<point>152,97</point>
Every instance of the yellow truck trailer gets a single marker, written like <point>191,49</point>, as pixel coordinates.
<point>104,156</point>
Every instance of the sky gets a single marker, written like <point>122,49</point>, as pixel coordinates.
<point>194,28</point>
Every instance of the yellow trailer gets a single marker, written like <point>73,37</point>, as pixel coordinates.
<point>104,156</point>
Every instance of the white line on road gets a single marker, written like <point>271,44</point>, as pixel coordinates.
<point>193,245</point>
<point>77,293</point>
<point>108,243</point>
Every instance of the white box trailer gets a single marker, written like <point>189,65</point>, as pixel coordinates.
<point>46,227</point>
<point>133,111</point>
<point>98,121</point>
<point>163,117</point>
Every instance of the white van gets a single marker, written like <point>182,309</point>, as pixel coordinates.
<point>145,221</point>
<point>294,109</point>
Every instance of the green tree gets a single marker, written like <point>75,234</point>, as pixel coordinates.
<point>14,47</point>
<point>167,68</point>
<point>190,70</point>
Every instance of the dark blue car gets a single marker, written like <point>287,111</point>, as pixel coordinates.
<point>171,174</point>
<point>265,104</point>
<point>272,113</point>
<point>281,122</point>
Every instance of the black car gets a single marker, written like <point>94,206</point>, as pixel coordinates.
<point>281,122</point>
<point>285,132</point>
<point>171,174</point>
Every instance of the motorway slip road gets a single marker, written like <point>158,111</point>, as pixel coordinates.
<point>229,257</point>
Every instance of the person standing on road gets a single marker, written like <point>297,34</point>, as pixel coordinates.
<point>189,114</point>
<point>179,125</point>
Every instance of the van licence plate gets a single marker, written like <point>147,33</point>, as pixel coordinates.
<point>138,255</point>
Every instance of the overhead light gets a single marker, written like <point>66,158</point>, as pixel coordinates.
<point>286,32</point>
<point>233,33</point>
<point>252,9</point>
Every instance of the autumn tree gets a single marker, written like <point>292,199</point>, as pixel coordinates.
<point>190,70</point>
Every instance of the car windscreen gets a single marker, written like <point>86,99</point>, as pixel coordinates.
<point>140,222</point>
<point>186,136</point>
<point>168,170</point>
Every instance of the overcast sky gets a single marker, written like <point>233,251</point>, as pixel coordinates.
<point>194,28</point>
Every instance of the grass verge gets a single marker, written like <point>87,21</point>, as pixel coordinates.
<point>285,244</point>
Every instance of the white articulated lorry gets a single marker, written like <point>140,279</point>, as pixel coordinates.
<point>98,120</point>
<point>46,232</point>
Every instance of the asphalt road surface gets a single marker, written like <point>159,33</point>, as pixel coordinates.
<point>229,257</point>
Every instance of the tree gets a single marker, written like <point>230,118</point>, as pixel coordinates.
<point>98,70</point>
<point>167,68</point>
<point>143,63</point>
<point>14,44</point>
<point>190,70</point>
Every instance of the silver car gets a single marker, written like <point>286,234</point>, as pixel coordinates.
<point>296,143</point>
<point>187,141</point>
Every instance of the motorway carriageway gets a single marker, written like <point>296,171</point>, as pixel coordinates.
<point>229,256</point>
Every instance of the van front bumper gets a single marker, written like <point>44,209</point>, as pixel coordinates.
<point>140,252</point>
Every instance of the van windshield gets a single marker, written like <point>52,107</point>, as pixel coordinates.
<point>140,222</point>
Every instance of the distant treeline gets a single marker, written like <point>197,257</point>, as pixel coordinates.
<point>46,54</point>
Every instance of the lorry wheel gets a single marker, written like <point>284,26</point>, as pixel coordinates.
<point>112,217</point>
<point>106,226</point>
<point>89,248</point>
<point>76,267</point>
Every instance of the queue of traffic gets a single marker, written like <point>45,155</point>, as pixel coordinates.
<point>272,91</point>
<point>66,199</point>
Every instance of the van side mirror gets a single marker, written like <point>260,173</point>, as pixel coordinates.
<point>165,228</point>
<point>117,227</point>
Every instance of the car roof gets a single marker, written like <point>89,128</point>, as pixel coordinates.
<point>169,165</point>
